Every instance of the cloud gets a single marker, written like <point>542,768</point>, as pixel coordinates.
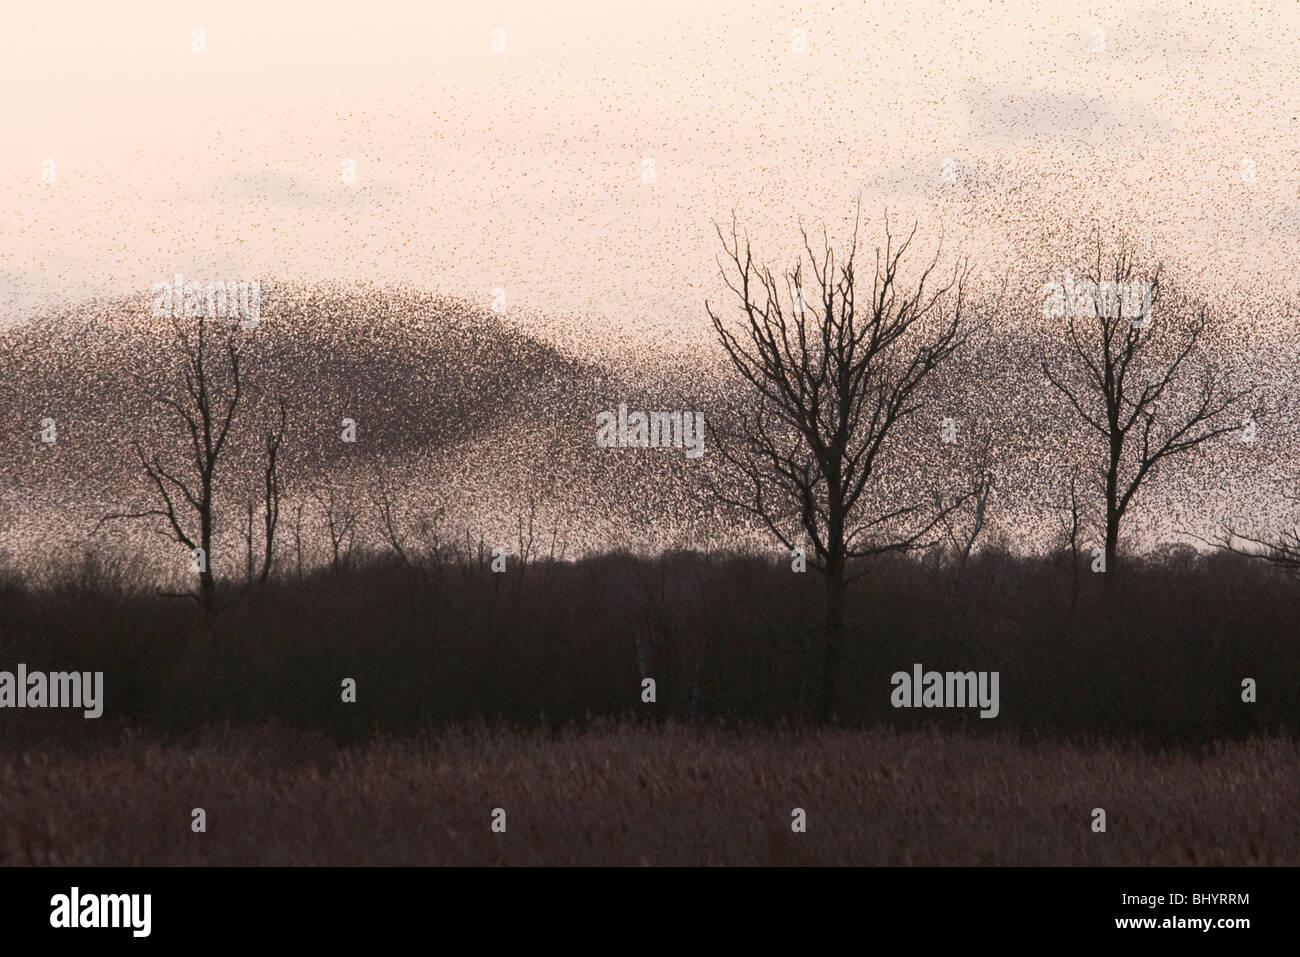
<point>282,189</point>
<point>1006,114</point>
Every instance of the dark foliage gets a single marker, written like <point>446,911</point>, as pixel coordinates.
<point>1158,657</point>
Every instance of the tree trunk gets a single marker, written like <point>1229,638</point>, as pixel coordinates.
<point>1112,539</point>
<point>833,635</point>
<point>1112,498</point>
<point>207,583</point>
<point>248,546</point>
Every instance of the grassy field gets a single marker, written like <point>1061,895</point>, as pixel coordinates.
<point>617,794</point>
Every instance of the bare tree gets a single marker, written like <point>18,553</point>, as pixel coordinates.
<point>1124,374</point>
<point>526,534</point>
<point>272,488</point>
<point>1071,523</point>
<point>430,530</point>
<point>206,410</point>
<point>384,498</point>
<point>475,555</point>
<point>1073,517</point>
<point>297,535</point>
<point>833,381</point>
<point>1282,551</point>
<point>965,525</point>
<point>1076,516</point>
<point>250,511</point>
<point>341,514</point>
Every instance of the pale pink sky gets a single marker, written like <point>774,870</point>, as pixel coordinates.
<point>523,169</point>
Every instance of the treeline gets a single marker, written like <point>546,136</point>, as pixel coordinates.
<point>1159,654</point>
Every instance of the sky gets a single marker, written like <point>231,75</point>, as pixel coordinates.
<point>567,161</point>
<point>580,165</point>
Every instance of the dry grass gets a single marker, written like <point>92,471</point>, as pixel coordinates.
<point>624,795</point>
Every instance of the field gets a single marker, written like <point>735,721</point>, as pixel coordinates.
<point>476,691</point>
<point>615,794</point>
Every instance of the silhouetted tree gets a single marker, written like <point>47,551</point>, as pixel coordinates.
<point>341,512</point>
<point>1282,550</point>
<point>271,484</point>
<point>833,378</point>
<point>1124,375</point>
<point>206,409</point>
